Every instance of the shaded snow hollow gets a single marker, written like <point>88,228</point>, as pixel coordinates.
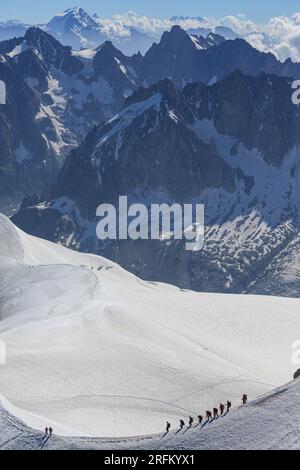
<point>270,422</point>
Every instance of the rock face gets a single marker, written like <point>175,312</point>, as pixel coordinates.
<point>54,97</point>
<point>75,90</point>
<point>233,146</point>
<point>27,164</point>
<point>187,58</point>
<point>257,111</point>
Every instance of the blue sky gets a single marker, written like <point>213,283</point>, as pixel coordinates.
<point>34,11</point>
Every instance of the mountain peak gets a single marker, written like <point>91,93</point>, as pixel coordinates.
<point>106,45</point>
<point>177,30</point>
<point>75,11</point>
<point>34,33</point>
<point>176,39</point>
<point>51,51</point>
<point>108,48</point>
<point>70,18</point>
<point>165,87</point>
<point>34,30</point>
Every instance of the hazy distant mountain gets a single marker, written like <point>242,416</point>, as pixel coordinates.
<point>11,29</point>
<point>184,18</point>
<point>76,28</point>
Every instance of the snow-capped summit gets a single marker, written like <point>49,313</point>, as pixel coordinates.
<point>70,19</point>
<point>77,28</point>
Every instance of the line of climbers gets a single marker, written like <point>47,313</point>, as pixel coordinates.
<point>48,431</point>
<point>209,415</point>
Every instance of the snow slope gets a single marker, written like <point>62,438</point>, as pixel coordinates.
<point>269,422</point>
<point>102,353</point>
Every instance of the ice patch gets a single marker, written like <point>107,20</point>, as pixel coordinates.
<point>22,154</point>
<point>18,49</point>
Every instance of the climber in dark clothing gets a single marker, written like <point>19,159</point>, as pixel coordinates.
<point>222,408</point>
<point>216,413</point>
<point>208,415</point>
<point>244,399</point>
<point>182,424</point>
<point>228,405</point>
<point>50,431</point>
<point>200,419</point>
<point>168,426</point>
<point>191,420</point>
<point>46,431</point>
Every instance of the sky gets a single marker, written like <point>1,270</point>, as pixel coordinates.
<point>35,11</point>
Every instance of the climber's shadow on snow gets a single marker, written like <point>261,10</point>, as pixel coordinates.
<point>45,439</point>
<point>187,429</point>
<point>164,435</point>
<point>205,423</point>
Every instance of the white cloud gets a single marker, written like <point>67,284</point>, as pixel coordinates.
<point>281,35</point>
<point>239,24</point>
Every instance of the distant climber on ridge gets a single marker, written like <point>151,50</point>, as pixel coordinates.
<point>222,408</point>
<point>200,419</point>
<point>208,415</point>
<point>182,424</point>
<point>244,399</point>
<point>168,426</point>
<point>228,405</point>
<point>191,420</point>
